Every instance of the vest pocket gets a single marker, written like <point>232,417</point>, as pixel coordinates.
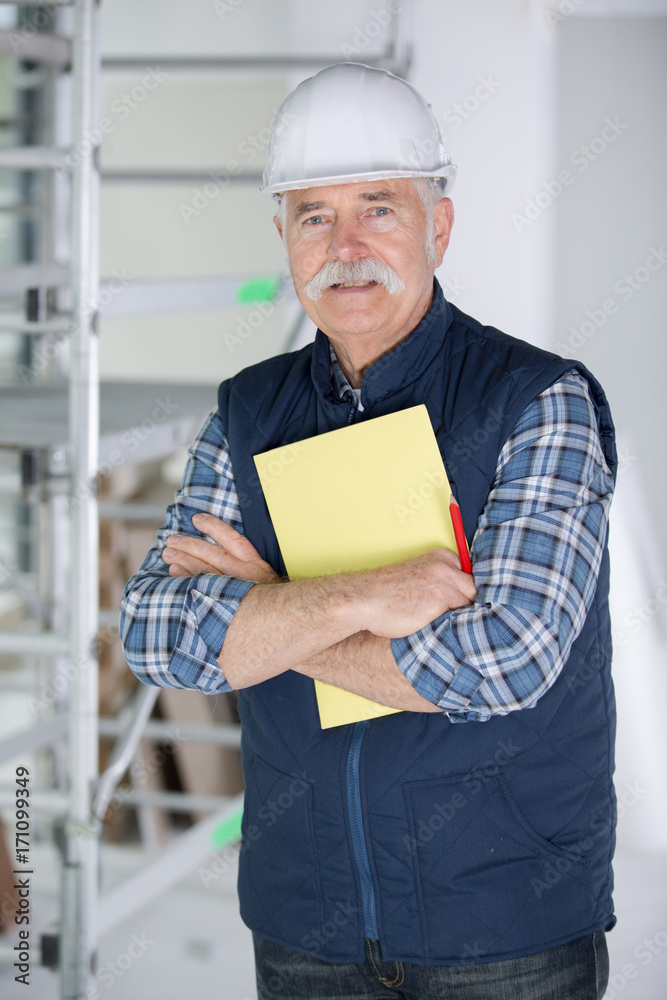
<point>279,868</point>
<point>488,884</point>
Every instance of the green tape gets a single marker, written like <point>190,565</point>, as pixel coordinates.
<point>257,290</point>
<point>228,831</point>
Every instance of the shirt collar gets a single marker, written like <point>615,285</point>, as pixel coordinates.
<point>340,383</point>
<point>402,366</point>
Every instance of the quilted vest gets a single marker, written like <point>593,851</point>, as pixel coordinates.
<point>449,843</point>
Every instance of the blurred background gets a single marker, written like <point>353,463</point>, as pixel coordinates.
<point>555,115</point>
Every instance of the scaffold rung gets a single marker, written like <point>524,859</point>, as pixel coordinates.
<point>35,158</point>
<point>37,643</point>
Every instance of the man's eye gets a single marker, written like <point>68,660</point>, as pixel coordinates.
<point>314,220</point>
<point>380,210</point>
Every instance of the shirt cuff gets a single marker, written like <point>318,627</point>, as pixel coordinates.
<point>439,672</point>
<point>211,603</point>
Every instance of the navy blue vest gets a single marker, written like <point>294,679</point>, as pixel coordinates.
<point>449,843</point>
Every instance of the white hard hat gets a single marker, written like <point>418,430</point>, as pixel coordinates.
<point>349,123</point>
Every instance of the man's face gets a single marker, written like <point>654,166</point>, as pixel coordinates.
<point>351,223</point>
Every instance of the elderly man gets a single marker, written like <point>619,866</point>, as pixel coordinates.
<point>462,846</point>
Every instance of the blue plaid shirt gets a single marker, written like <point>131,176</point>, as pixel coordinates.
<point>536,555</point>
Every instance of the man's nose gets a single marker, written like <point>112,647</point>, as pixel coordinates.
<point>347,241</point>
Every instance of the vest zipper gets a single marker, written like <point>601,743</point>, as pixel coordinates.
<point>355,811</point>
<point>357,831</point>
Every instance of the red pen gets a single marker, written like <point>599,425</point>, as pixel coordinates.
<point>459,535</point>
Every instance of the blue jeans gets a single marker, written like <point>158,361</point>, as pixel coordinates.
<point>578,970</point>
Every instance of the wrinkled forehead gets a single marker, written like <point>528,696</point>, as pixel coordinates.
<point>397,191</point>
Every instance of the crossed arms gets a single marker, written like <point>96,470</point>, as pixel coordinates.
<point>335,629</point>
<point>406,635</point>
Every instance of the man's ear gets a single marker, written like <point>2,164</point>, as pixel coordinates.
<point>278,226</point>
<point>443,220</point>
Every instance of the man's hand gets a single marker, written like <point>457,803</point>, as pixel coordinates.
<point>233,556</point>
<point>281,628</point>
<point>364,664</point>
<point>399,599</point>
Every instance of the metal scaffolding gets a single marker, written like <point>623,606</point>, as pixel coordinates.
<point>79,57</point>
<point>78,938</point>
<point>61,425</point>
<point>58,426</point>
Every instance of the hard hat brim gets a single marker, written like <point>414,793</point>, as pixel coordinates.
<point>446,174</point>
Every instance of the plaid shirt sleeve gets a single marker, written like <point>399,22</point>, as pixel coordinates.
<point>536,555</point>
<point>173,628</point>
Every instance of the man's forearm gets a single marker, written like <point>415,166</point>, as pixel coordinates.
<point>280,626</point>
<point>364,664</point>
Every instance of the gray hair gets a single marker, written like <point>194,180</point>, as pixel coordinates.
<point>429,190</point>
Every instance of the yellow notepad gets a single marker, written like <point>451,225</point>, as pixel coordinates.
<point>353,499</point>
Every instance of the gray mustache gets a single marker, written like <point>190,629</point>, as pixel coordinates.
<point>335,272</point>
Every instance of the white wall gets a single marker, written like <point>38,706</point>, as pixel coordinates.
<point>188,121</point>
<point>538,249</point>
<point>611,310</point>
<point>610,313</point>
<point>517,93</point>
<point>486,68</point>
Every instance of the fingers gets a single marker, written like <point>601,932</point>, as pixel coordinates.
<point>196,555</point>
<point>207,553</point>
<point>230,554</point>
<point>464,582</point>
<point>462,590</point>
<point>249,564</point>
<point>182,564</point>
<point>226,536</point>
